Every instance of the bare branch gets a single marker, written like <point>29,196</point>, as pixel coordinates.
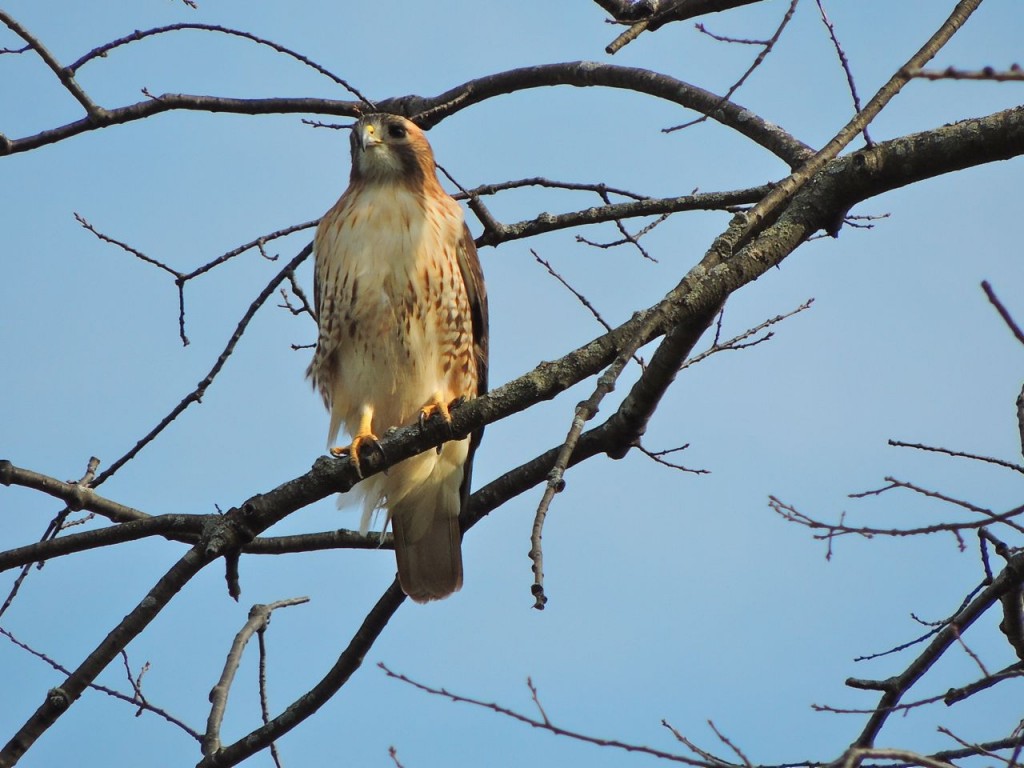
<point>659,457</point>
<point>767,47</point>
<point>1009,579</point>
<point>657,15</point>
<point>845,64</point>
<point>856,756</point>
<point>579,296</point>
<point>740,341</point>
<point>582,74</point>
<point>544,723</point>
<point>496,233</point>
<point>953,695</point>
<point>137,699</point>
<point>196,395</point>
<point>137,35</point>
<point>584,412</point>
<point>259,618</point>
<point>765,210</point>
<point>66,76</point>
<point>1002,310</point>
<point>1013,74</point>
<point>959,454</point>
<point>537,181</point>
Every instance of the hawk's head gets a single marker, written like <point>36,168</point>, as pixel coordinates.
<point>390,148</point>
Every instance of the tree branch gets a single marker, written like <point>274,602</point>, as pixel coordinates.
<point>436,108</point>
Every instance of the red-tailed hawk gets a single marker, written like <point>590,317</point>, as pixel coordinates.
<point>402,311</point>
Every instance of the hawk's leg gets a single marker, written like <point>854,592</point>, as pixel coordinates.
<point>363,434</point>
<point>437,404</point>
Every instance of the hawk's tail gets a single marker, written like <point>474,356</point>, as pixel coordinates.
<point>429,567</point>
<point>425,521</point>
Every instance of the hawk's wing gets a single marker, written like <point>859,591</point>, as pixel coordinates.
<point>473,279</point>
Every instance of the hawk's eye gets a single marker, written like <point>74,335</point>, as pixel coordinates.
<point>396,131</point>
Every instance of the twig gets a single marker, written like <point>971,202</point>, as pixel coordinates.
<point>499,233</point>
<point>656,15</point>
<point>738,342</point>
<point>579,296</point>
<point>136,699</point>
<point>1002,310</point>
<point>181,278</point>
<point>790,513</point>
<point>958,454</point>
<point>628,237</point>
<point>1013,74</point>
<point>976,748</point>
<point>767,47</point>
<point>855,756</point>
<point>538,181</point>
<point>954,695</point>
<point>103,50</point>
<point>711,759</point>
<point>765,210</point>
<point>659,457</point>
<point>543,724</point>
<point>845,63</point>
<point>725,740</point>
<point>259,617</point>
<point>264,699</point>
<point>1007,580</point>
<point>584,412</point>
<point>304,306</point>
<point>196,394</point>
<point>65,75</point>
<point>974,657</point>
<point>492,226</point>
<point>936,626</point>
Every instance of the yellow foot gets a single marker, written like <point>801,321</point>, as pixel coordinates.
<point>353,449</point>
<point>437,404</point>
<point>363,435</point>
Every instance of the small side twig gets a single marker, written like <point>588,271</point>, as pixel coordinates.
<point>766,47</point>
<point>845,63</point>
<point>259,617</point>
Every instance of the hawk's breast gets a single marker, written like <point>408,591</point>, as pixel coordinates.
<point>395,322</point>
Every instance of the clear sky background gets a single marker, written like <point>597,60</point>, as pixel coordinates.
<point>672,595</point>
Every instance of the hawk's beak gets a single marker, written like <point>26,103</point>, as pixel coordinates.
<point>368,136</point>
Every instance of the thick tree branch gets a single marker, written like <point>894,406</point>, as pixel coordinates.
<point>432,110</point>
<point>496,233</point>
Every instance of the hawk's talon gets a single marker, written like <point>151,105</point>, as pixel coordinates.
<point>352,451</point>
<point>435,406</point>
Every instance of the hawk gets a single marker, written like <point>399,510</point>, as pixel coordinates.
<point>402,314</point>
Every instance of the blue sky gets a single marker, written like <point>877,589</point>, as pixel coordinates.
<point>672,595</point>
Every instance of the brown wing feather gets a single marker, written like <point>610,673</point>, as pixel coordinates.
<point>473,279</point>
